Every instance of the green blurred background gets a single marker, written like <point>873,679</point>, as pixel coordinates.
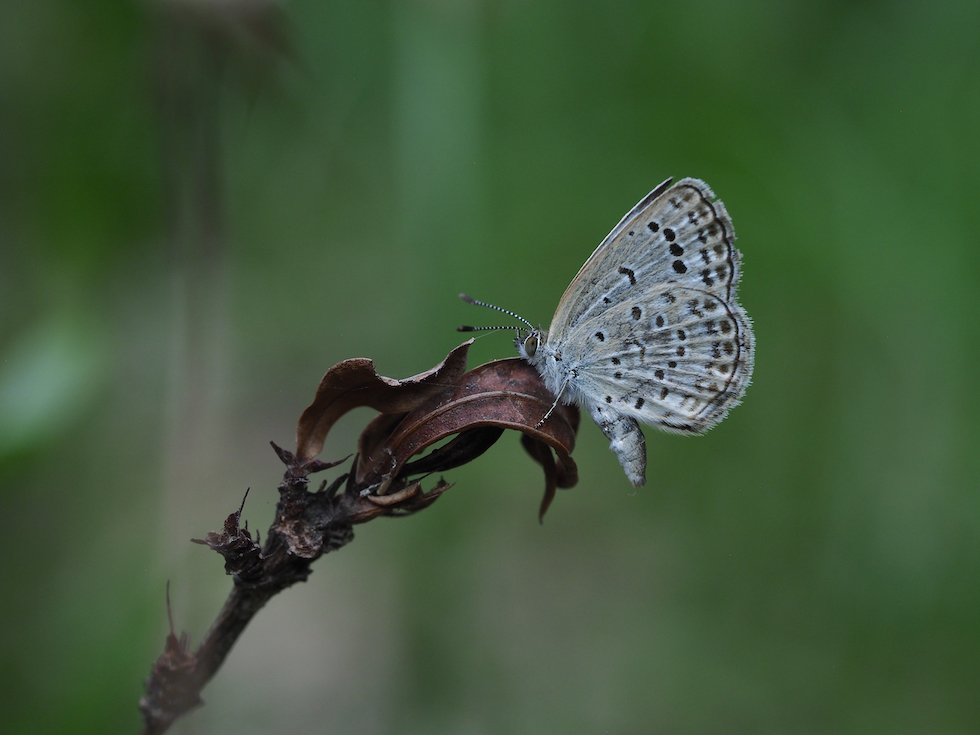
<point>204,205</point>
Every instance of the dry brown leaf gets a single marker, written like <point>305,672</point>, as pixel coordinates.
<point>354,383</point>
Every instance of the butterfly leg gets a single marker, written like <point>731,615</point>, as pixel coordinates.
<point>553,405</point>
<point>625,439</point>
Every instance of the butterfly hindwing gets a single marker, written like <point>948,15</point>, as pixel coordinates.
<point>678,358</point>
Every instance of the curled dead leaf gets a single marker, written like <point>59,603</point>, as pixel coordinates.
<point>460,414</point>
<point>354,383</point>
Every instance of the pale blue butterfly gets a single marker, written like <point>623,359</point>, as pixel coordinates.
<point>650,330</point>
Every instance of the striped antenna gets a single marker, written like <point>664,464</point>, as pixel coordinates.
<point>467,328</point>
<point>471,300</point>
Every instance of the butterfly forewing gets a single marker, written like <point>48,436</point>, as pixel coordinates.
<point>674,235</point>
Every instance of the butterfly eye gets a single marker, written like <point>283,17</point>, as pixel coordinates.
<point>531,344</point>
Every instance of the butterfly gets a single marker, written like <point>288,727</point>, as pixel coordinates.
<point>649,330</point>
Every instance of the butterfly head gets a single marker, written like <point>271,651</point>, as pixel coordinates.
<point>530,347</point>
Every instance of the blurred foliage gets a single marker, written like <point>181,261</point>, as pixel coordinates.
<point>203,205</point>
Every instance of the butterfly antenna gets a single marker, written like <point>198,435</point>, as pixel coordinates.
<point>467,328</point>
<point>471,300</point>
